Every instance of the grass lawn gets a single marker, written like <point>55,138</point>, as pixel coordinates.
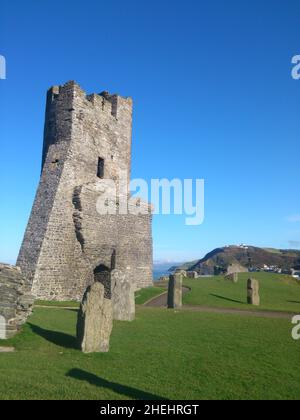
<point>69,303</point>
<point>162,354</point>
<point>277,292</point>
<point>141,297</point>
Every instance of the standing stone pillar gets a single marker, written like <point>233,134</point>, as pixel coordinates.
<point>175,291</point>
<point>95,320</point>
<point>2,328</point>
<point>123,299</point>
<point>234,277</point>
<point>253,292</point>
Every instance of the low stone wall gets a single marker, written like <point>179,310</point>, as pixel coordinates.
<point>15,301</point>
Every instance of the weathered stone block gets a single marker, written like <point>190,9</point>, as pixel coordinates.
<point>123,298</point>
<point>234,277</point>
<point>2,328</point>
<point>175,291</point>
<point>95,321</point>
<point>16,302</point>
<point>7,349</point>
<point>253,297</point>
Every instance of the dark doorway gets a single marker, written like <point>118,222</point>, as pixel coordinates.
<point>102,275</point>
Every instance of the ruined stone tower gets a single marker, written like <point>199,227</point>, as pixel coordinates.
<point>68,244</point>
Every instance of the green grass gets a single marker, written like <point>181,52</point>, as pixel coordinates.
<point>162,354</point>
<point>142,296</point>
<point>277,292</point>
<point>69,303</point>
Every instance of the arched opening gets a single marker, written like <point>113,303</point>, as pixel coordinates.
<point>102,275</point>
<point>2,328</point>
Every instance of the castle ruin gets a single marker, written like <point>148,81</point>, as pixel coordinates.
<point>68,244</point>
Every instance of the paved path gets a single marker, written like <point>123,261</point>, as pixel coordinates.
<point>161,301</point>
<point>7,349</point>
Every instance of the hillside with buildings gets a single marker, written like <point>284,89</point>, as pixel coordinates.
<point>247,258</point>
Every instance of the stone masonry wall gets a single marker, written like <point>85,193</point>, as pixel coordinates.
<point>66,239</point>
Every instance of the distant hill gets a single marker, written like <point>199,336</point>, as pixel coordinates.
<point>186,266</point>
<point>218,260</point>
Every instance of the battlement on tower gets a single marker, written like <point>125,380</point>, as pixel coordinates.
<point>110,104</point>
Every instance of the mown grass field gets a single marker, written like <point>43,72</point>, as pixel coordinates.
<point>65,304</point>
<point>277,292</point>
<point>162,354</point>
<point>141,296</point>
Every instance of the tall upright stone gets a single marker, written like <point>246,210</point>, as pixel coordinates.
<point>68,240</point>
<point>123,298</point>
<point>95,320</point>
<point>234,277</point>
<point>253,297</point>
<point>175,291</point>
<point>3,333</point>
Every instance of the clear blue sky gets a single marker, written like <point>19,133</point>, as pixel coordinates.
<point>213,95</point>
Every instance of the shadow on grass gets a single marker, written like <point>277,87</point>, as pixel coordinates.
<point>55,337</point>
<point>128,391</point>
<point>293,301</point>
<point>228,299</point>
